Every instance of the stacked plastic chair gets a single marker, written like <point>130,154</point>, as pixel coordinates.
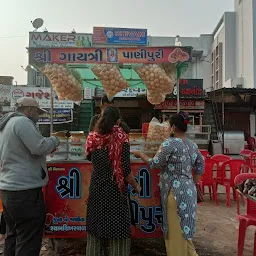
<point>247,219</point>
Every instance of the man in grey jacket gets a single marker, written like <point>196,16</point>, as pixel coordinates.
<point>23,173</point>
<point>1,111</point>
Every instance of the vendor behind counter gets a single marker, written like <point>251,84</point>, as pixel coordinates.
<point>105,102</point>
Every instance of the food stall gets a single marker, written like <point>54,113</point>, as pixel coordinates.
<point>69,171</point>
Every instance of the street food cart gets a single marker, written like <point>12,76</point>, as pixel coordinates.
<point>69,171</point>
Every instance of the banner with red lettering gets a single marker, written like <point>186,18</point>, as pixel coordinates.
<point>42,96</point>
<point>188,88</point>
<point>67,193</point>
<point>185,105</point>
<point>147,55</point>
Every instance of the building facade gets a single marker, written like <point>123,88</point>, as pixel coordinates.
<point>234,66</point>
<point>6,80</point>
<point>234,48</point>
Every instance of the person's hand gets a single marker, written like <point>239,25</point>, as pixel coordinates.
<point>56,146</point>
<point>138,189</point>
<point>136,153</point>
<point>54,150</point>
<point>58,142</point>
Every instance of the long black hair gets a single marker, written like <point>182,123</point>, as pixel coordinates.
<point>108,119</point>
<point>105,100</point>
<point>180,120</point>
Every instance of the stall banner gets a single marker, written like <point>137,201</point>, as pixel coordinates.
<point>189,88</point>
<point>104,35</point>
<point>131,93</point>
<point>60,116</point>
<point>42,96</point>
<point>184,105</point>
<point>59,40</point>
<point>5,95</point>
<point>125,93</point>
<point>147,55</point>
<point>67,192</point>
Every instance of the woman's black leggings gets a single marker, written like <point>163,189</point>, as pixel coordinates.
<point>2,225</point>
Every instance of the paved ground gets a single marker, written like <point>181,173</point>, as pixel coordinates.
<point>217,235</point>
<point>217,231</point>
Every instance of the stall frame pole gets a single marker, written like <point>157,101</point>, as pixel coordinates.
<point>178,92</point>
<point>51,111</point>
<point>223,121</point>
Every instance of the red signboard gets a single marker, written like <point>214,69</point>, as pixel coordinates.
<point>148,55</point>
<point>67,193</point>
<point>184,104</point>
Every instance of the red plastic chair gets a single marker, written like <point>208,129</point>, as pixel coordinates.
<point>145,130</point>
<point>1,206</point>
<point>253,162</point>
<point>246,152</point>
<point>236,167</point>
<point>205,153</point>
<point>226,151</point>
<point>251,143</point>
<point>247,169</point>
<point>208,180</point>
<point>220,158</point>
<point>248,219</point>
<point>246,155</point>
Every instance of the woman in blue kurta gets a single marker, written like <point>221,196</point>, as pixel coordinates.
<point>176,158</point>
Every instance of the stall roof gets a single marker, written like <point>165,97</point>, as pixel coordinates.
<point>245,96</point>
<point>251,91</point>
<point>91,81</point>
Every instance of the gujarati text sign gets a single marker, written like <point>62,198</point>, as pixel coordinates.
<point>41,94</point>
<point>147,55</point>
<point>104,35</point>
<point>184,105</point>
<point>60,116</point>
<point>189,88</point>
<point>67,193</point>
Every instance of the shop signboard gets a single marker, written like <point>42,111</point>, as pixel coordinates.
<point>40,79</point>
<point>5,97</point>
<point>189,88</point>
<point>59,40</point>
<point>146,55</point>
<point>131,93</point>
<point>60,116</point>
<point>125,93</point>
<point>99,92</point>
<point>67,193</point>
<point>184,105</point>
<point>41,94</point>
<point>89,93</point>
<point>132,36</point>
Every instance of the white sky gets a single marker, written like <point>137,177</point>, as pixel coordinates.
<point>160,17</point>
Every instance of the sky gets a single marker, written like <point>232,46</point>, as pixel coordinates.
<point>160,17</point>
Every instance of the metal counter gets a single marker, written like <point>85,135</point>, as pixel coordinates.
<point>85,161</point>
